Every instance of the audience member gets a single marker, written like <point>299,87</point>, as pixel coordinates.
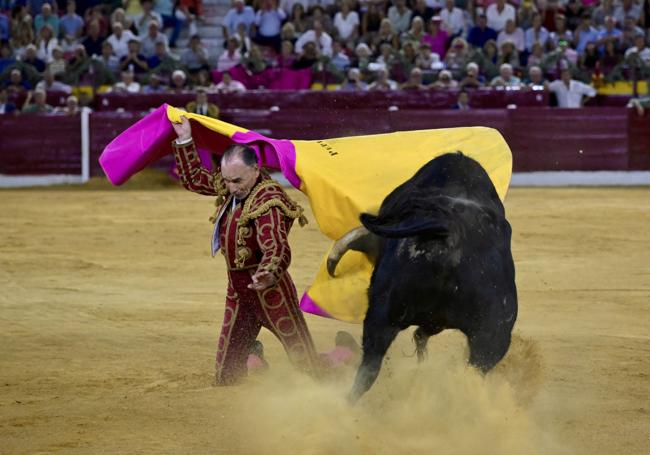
<point>195,58</point>
<point>93,41</point>
<point>238,14</point>
<point>383,83</point>
<point>498,14</point>
<point>151,38</point>
<point>6,106</point>
<point>268,22</point>
<point>230,57</point>
<point>569,92</point>
<point>201,105</point>
<point>228,85</point>
<point>47,17</point>
<point>178,82</point>
<point>400,16</point>
<point>353,81</point>
<point>154,85</point>
<point>50,84</point>
<point>445,81</point>
<point>462,103</point>
<point>147,17</point>
<point>127,84</point>
<point>437,37</point>
<point>321,39</point>
<point>134,60</point>
<point>120,40</point>
<point>39,106</point>
<point>453,19</point>
<point>506,78</point>
<point>346,23</point>
<point>480,33</point>
<point>414,81</point>
<point>513,34</point>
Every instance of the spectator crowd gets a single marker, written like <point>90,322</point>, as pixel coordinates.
<point>565,46</point>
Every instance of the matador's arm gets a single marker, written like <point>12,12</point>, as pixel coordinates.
<point>193,175</point>
<point>273,241</point>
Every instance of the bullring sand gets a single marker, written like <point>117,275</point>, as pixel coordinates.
<point>111,305</point>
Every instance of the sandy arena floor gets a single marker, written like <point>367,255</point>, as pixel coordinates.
<point>110,310</point>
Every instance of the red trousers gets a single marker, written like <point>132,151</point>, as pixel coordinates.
<point>247,311</point>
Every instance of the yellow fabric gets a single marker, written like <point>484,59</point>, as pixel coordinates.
<point>344,177</point>
<point>219,126</point>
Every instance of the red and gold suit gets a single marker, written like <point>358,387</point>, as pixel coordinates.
<point>252,236</point>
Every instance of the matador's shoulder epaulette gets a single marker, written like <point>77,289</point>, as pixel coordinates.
<point>267,194</point>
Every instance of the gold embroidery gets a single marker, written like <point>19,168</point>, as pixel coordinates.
<point>294,211</point>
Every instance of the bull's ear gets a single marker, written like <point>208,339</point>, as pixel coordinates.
<point>433,224</point>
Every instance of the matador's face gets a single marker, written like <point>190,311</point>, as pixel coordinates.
<point>239,177</point>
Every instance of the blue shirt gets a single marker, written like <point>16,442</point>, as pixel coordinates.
<point>233,19</point>
<point>478,37</point>
<point>70,25</point>
<point>4,27</point>
<point>530,39</point>
<point>615,33</point>
<point>586,36</point>
<point>269,23</point>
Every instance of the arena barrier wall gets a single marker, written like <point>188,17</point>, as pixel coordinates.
<point>541,139</point>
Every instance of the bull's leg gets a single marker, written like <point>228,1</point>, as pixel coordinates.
<point>378,335</point>
<point>487,347</point>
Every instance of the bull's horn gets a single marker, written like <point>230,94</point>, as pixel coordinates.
<point>342,245</point>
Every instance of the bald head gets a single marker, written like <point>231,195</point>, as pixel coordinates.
<point>239,170</point>
<point>243,153</point>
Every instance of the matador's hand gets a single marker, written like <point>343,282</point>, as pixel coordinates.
<point>183,129</point>
<point>262,280</point>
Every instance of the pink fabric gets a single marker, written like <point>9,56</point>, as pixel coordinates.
<point>438,43</point>
<point>309,306</point>
<point>145,142</point>
<point>150,139</point>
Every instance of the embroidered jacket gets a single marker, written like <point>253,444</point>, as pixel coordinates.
<point>251,233</point>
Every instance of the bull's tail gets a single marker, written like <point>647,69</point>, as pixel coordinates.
<point>420,338</point>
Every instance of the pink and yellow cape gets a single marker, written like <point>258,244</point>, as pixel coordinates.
<point>342,178</point>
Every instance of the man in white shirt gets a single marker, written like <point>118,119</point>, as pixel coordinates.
<point>319,37</point>
<point>452,18</point>
<point>498,14</point>
<point>228,85</point>
<point>639,48</point>
<point>148,15</point>
<point>400,16</point>
<point>120,40</point>
<point>569,92</point>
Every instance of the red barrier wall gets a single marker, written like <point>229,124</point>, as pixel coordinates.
<point>541,139</point>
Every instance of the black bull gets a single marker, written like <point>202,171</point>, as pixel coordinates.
<point>441,249</point>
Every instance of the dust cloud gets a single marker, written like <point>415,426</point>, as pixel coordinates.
<point>439,405</point>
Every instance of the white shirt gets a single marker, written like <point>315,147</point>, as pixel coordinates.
<point>133,87</point>
<point>121,45</point>
<point>324,43</point>
<point>346,26</point>
<point>571,96</point>
<point>517,37</point>
<point>644,54</point>
<point>233,87</point>
<point>454,20</point>
<point>497,20</point>
<point>226,62</point>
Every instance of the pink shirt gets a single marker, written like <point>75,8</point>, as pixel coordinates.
<point>438,43</point>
